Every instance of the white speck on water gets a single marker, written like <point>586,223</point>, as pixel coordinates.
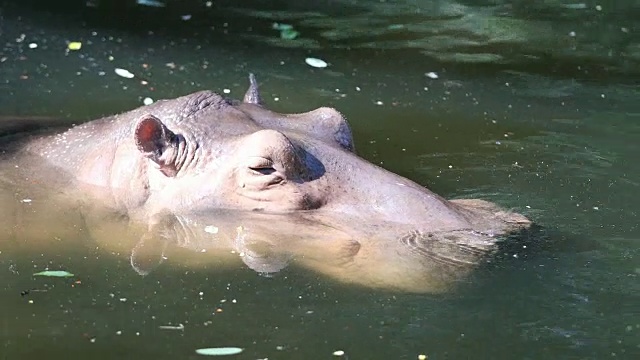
<point>185,17</point>
<point>147,101</point>
<point>572,33</point>
<point>124,73</point>
<point>33,46</point>
<point>26,200</point>
<point>226,91</point>
<point>450,166</point>
<point>276,99</point>
<point>123,299</point>
<point>119,332</point>
<point>316,63</point>
<point>431,75</point>
<point>528,207</point>
<point>578,6</point>
<point>598,7</point>
<point>357,88</point>
<point>338,353</point>
<point>379,102</point>
<point>596,208</point>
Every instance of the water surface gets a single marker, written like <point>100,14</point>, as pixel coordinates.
<point>561,150</point>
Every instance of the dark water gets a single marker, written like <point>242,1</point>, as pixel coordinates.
<point>559,148</point>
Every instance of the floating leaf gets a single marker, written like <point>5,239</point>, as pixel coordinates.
<point>289,34</point>
<point>124,73</point>
<point>54,273</point>
<point>74,45</point>
<point>316,63</point>
<point>219,351</point>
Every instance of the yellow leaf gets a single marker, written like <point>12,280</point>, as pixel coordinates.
<point>75,45</point>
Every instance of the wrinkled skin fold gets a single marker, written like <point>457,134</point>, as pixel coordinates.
<point>210,175</point>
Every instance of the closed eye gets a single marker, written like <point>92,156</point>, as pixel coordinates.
<point>263,170</point>
<point>261,165</point>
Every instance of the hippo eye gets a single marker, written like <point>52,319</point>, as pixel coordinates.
<point>261,165</point>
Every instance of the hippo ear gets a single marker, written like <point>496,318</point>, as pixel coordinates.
<point>252,96</point>
<point>153,139</point>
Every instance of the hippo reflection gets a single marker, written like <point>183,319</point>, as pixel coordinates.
<point>203,172</point>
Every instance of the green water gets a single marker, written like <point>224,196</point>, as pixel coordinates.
<point>560,150</point>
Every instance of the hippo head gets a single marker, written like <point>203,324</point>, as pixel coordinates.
<point>296,175</point>
<point>203,151</point>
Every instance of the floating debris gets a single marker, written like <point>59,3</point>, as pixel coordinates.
<point>287,32</point>
<point>26,200</point>
<point>221,351</point>
<point>74,45</point>
<point>338,353</point>
<point>33,46</point>
<point>54,273</point>
<point>147,101</point>
<point>151,3</point>
<point>124,73</point>
<point>431,75</point>
<point>185,17</point>
<point>172,327</point>
<point>281,27</point>
<point>578,6</point>
<point>316,63</point>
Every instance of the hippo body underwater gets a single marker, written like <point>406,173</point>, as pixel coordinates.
<point>277,187</point>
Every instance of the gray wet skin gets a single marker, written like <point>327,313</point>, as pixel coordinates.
<point>202,153</point>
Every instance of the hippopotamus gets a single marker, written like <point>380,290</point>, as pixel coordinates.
<point>205,172</point>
